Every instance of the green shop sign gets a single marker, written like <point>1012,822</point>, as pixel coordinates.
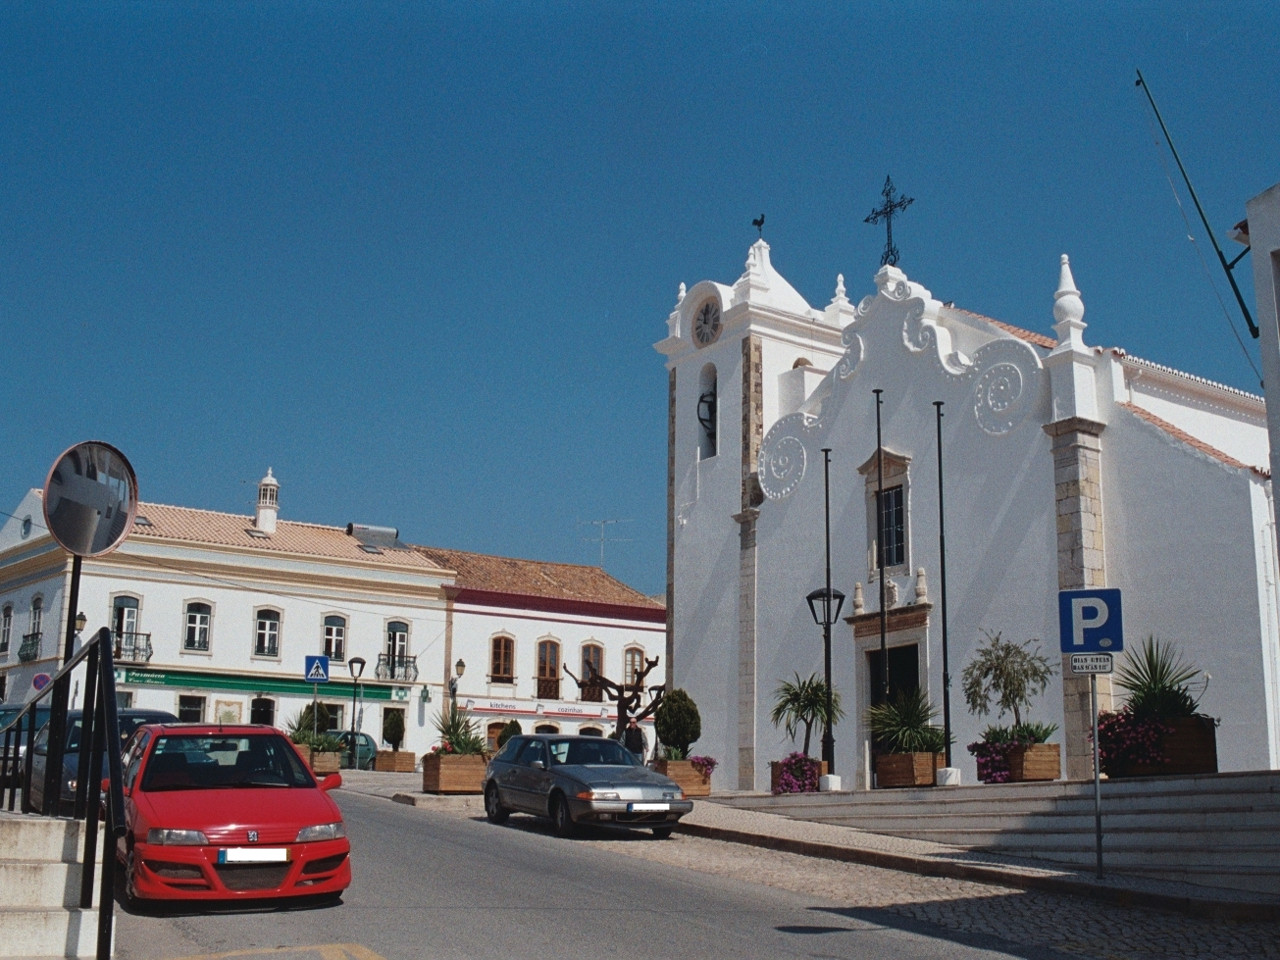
<point>234,681</point>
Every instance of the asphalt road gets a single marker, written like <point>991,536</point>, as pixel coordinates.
<point>430,886</point>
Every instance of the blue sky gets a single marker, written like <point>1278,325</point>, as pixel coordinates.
<point>414,257</point>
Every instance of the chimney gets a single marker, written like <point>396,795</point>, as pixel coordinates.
<point>268,504</point>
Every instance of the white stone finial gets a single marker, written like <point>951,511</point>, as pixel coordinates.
<point>680,295</point>
<point>890,594</point>
<point>840,286</point>
<point>859,603</point>
<point>922,587</point>
<point>1068,308</point>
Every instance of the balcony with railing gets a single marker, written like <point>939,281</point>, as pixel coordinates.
<point>30,648</point>
<point>396,668</point>
<point>591,692</point>
<point>548,688</point>
<point>132,647</point>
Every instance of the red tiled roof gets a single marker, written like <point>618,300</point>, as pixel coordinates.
<point>537,578</point>
<point>1195,443</point>
<point>1039,339</point>
<point>232,530</point>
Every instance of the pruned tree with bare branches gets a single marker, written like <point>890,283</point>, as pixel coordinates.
<point>628,697</point>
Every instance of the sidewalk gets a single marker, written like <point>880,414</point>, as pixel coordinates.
<point>721,822</point>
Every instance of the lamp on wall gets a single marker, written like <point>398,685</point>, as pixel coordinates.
<point>459,669</point>
<point>425,696</point>
<point>81,622</point>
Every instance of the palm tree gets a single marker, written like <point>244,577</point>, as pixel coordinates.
<point>804,702</point>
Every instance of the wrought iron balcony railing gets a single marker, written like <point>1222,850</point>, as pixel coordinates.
<point>548,688</point>
<point>135,647</point>
<point>30,648</point>
<point>396,668</point>
<point>592,693</point>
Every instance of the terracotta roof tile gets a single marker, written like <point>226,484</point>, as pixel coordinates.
<point>537,578</point>
<point>233,530</point>
<point>1039,339</point>
<point>1194,442</point>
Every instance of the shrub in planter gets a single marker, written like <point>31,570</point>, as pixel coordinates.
<point>512,729</point>
<point>804,704</point>
<point>393,728</point>
<point>907,742</point>
<point>994,751</point>
<point>797,773</point>
<point>677,723</point>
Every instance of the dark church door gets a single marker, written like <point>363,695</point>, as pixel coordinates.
<point>904,672</point>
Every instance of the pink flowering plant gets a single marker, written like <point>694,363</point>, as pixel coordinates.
<point>704,765</point>
<point>798,773</point>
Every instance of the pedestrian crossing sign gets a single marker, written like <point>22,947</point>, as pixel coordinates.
<point>316,669</point>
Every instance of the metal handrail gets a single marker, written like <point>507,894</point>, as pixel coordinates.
<point>99,742</point>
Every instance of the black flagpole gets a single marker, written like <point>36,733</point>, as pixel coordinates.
<point>942,570</point>
<point>884,624</point>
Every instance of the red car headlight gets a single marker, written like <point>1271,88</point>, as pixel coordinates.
<point>176,838</point>
<point>322,831</point>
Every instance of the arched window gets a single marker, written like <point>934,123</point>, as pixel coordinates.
<point>591,731</point>
<point>335,637</point>
<point>199,624</point>
<point>707,406</point>
<point>262,710</point>
<point>632,664</point>
<point>502,650</point>
<point>592,666</point>
<point>491,734</point>
<point>6,627</point>
<point>546,728</point>
<point>267,636</point>
<point>548,670</point>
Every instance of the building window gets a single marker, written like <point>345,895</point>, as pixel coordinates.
<point>548,670</point>
<point>37,616</point>
<point>888,513</point>
<point>335,637</point>
<point>4,686</point>
<point>6,627</point>
<point>707,404</point>
<point>546,728</point>
<point>267,636</point>
<point>502,659</point>
<point>397,640</point>
<point>633,664</point>
<point>190,709</point>
<point>491,734</point>
<point>262,710</point>
<point>592,668</point>
<point>199,619</point>
<point>591,731</point>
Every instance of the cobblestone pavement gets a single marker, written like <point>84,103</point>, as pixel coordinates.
<point>1069,924</point>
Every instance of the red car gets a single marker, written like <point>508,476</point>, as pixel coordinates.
<point>220,812</point>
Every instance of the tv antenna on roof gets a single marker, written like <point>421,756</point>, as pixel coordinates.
<point>602,539</point>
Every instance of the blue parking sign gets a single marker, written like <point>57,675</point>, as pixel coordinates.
<point>1090,621</point>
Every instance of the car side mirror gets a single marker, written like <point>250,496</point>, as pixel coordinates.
<point>538,765</point>
<point>41,750</point>
<point>331,782</point>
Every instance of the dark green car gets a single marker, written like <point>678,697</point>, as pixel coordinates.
<point>366,749</point>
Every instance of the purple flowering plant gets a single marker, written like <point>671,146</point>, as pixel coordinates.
<point>798,773</point>
<point>704,765</point>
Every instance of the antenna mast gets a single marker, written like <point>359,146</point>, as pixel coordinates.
<point>602,539</point>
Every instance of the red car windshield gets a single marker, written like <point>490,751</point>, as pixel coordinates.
<point>195,762</point>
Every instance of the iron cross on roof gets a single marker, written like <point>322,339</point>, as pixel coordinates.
<point>886,212</point>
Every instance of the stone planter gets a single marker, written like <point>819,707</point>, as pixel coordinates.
<point>452,773</point>
<point>683,773</point>
<point>908,769</point>
<point>1191,748</point>
<point>1035,761</point>
<point>395,761</point>
<point>775,772</point>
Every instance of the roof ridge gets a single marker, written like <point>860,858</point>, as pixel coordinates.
<point>238,516</point>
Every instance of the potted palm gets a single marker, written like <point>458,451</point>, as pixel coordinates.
<point>455,764</point>
<point>309,731</point>
<point>1159,731</point>
<point>394,760</point>
<point>678,724</point>
<point>1007,675</point>
<point>801,703</point>
<point>909,746</point>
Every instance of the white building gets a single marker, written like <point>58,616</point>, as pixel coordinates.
<point>214,614</point>
<point>1066,466</point>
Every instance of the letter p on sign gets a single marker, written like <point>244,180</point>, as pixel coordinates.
<point>1090,621</point>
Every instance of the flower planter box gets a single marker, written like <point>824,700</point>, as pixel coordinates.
<point>908,769</point>
<point>693,783</point>
<point>775,773</point>
<point>452,773</point>
<point>327,762</point>
<point>395,761</point>
<point>1035,761</point>
<point>1191,747</point>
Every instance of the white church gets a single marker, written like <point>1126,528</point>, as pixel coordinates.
<point>1064,466</point>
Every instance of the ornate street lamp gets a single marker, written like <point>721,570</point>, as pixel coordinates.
<point>459,668</point>
<point>356,667</point>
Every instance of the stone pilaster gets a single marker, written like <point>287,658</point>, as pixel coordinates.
<point>1077,485</point>
<point>671,529</point>
<point>747,691</point>
<point>752,416</point>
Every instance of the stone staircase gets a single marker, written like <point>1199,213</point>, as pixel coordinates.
<point>1215,830</point>
<point>40,870</point>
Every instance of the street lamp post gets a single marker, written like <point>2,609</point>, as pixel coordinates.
<point>459,669</point>
<point>825,606</point>
<point>356,667</point>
